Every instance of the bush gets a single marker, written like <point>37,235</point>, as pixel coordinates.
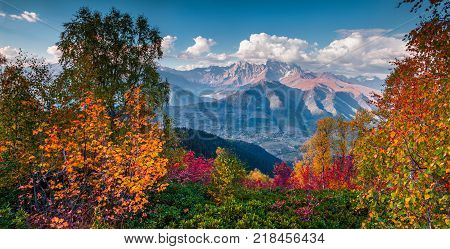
<point>267,208</point>
<point>189,206</point>
<point>12,219</point>
<point>177,203</point>
<point>10,215</point>
<point>191,169</point>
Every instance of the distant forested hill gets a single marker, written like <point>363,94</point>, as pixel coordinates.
<point>205,144</point>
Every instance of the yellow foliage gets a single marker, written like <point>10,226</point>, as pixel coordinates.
<point>257,175</point>
<point>298,176</point>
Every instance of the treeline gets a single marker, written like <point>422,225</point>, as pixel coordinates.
<point>84,149</point>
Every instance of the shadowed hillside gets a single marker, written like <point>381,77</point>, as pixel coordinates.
<point>205,144</point>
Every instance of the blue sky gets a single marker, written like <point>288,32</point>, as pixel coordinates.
<point>309,33</point>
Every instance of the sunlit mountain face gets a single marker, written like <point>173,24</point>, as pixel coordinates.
<point>275,105</point>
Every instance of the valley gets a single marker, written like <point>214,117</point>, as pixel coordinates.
<point>274,105</point>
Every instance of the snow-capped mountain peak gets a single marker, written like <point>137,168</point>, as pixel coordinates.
<point>243,73</point>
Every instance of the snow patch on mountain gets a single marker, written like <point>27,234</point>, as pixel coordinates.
<point>274,102</point>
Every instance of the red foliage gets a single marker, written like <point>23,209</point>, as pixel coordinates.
<point>304,212</point>
<point>281,173</point>
<point>257,180</point>
<point>192,169</point>
<point>304,178</point>
<point>341,174</point>
<point>257,184</point>
<point>279,204</point>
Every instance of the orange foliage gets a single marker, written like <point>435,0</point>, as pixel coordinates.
<point>406,154</point>
<point>339,175</point>
<point>2,150</point>
<point>98,175</point>
<point>303,177</point>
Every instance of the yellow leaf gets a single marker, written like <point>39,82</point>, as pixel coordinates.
<point>392,134</point>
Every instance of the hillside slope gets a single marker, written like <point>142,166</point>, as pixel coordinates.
<point>205,144</point>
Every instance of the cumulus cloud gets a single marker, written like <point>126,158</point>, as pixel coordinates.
<point>26,16</point>
<point>201,46</point>
<point>355,52</point>
<point>361,53</point>
<point>9,52</point>
<point>261,47</point>
<point>54,54</point>
<point>167,43</point>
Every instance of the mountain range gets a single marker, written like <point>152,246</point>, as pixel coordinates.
<point>274,105</point>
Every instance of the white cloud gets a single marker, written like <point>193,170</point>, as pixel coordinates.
<point>361,53</point>
<point>261,47</point>
<point>188,67</point>
<point>365,52</point>
<point>209,59</point>
<point>9,52</point>
<point>217,57</point>
<point>167,43</point>
<point>54,54</point>
<point>2,14</point>
<point>202,45</point>
<point>204,63</point>
<point>26,16</point>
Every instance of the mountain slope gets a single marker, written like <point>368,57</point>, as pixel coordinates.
<point>205,144</point>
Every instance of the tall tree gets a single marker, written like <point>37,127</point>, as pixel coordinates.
<point>403,161</point>
<point>318,149</point>
<point>109,55</point>
<point>226,176</point>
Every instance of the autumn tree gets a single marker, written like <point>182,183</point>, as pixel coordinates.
<point>25,98</point>
<point>318,149</point>
<point>343,137</point>
<point>226,176</point>
<point>403,161</point>
<point>341,174</point>
<point>94,178</point>
<point>303,177</point>
<point>85,148</point>
<point>327,157</point>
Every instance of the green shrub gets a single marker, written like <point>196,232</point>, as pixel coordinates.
<point>190,206</point>
<point>10,215</point>
<point>169,208</point>
<point>12,219</point>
